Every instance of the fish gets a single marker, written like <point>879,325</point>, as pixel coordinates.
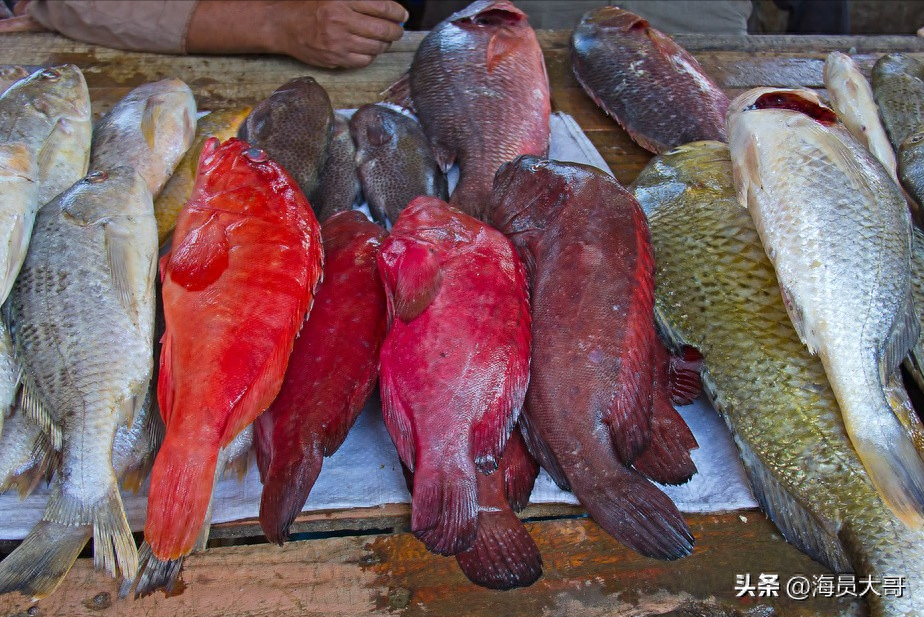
<point>717,291</point>
<point>26,455</point>
<point>838,231</point>
<point>911,166</point>
<point>9,75</point>
<point>914,363</point>
<point>479,87</point>
<point>9,374</point>
<point>245,260</point>
<point>654,89</point>
<point>898,87</point>
<point>852,100</point>
<point>221,123</point>
<point>454,366</point>
<point>588,410</point>
<point>293,125</point>
<point>394,161</point>
<point>150,129</point>
<point>338,187</point>
<point>332,371</point>
<point>45,128</point>
<point>86,364</point>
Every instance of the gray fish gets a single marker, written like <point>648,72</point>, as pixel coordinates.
<point>898,86</point>
<point>338,187</point>
<point>395,161</point>
<point>26,455</point>
<point>86,360</point>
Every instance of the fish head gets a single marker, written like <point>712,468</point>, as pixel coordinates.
<point>615,20</point>
<point>698,169</point>
<point>787,100</point>
<point>488,14</point>
<point>505,27</point>
<point>896,65</point>
<point>911,151</point>
<point>372,127</point>
<point>271,115</point>
<point>59,91</point>
<point>104,195</point>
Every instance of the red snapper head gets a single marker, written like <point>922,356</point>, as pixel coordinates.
<point>505,26</point>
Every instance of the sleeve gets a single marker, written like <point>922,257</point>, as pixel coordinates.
<point>138,25</point>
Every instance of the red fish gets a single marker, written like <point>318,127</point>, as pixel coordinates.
<point>479,86</point>
<point>237,283</point>
<point>331,372</point>
<point>588,413</point>
<point>455,363</point>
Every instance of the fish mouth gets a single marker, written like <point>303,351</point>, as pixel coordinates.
<point>616,18</point>
<point>493,15</point>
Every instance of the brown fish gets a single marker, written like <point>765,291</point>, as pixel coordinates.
<point>338,187</point>
<point>645,81</point>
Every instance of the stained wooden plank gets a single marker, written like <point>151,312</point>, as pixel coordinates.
<point>586,573</point>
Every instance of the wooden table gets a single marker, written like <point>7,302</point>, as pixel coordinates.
<point>363,561</point>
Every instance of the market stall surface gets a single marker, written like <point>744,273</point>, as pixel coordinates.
<point>362,560</point>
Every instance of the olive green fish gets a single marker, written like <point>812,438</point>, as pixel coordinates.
<point>898,86</point>
<point>717,290</point>
<point>911,165</point>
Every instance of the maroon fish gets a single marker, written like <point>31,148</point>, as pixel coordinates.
<point>479,86</point>
<point>649,84</point>
<point>455,362</point>
<point>331,372</point>
<point>588,411</point>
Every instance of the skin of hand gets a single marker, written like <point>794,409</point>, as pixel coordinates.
<point>323,33</point>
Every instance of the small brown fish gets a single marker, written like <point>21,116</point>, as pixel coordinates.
<point>338,187</point>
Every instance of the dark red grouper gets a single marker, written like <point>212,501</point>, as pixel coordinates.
<point>586,245</point>
<point>331,372</point>
<point>649,84</point>
<point>455,363</point>
<point>479,86</point>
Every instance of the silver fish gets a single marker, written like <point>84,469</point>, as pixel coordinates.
<point>26,455</point>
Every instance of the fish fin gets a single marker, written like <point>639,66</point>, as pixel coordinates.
<point>667,460</point>
<point>444,505</point>
<point>398,419</point>
<point>149,120</point>
<point>201,258</point>
<point>685,381</point>
<point>629,414</point>
<point>38,565</point>
<point>153,430</point>
<point>376,132</point>
<point>501,46</point>
<point>520,471</point>
<point>17,231</point>
<point>153,574</point>
<point>50,154</point>
<point>542,452</point>
<point>43,462</point>
<point>798,321</point>
<point>914,364</point>
<point>288,482</point>
<point>180,492</point>
<point>444,156</point>
<point>165,379</point>
<point>504,556</point>
<point>417,280</point>
<point>32,403</point>
<point>125,262</point>
<point>399,93</point>
<point>901,340</point>
<point>904,410</point>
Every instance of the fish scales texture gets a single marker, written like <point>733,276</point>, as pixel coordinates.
<point>838,232</point>
<point>332,371</point>
<point>898,87</point>
<point>455,363</point>
<point>243,267</point>
<point>9,373</point>
<point>87,358</point>
<point>394,161</point>
<point>717,291</point>
<point>479,86</point>
<point>641,78</point>
<point>911,165</point>
<point>338,187</point>
<point>26,455</point>
<point>588,407</point>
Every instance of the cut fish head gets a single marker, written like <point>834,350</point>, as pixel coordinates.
<point>615,18</point>
<point>488,14</point>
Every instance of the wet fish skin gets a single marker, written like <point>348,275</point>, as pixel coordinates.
<point>150,129</point>
<point>588,409</point>
<point>717,291</point>
<point>86,362</point>
<point>911,165</point>
<point>26,455</point>
<point>479,86</point>
<point>332,371</point>
<point>452,381</point>
<point>338,188</point>
<point>293,125</point>
<point>394,161</point>
<point>898,87</point>
<point>641,78</point>
<point>804,179</point>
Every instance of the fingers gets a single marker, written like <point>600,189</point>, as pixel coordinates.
<point>364,46</point>
<point>384,9</point>
<point>375,27</point>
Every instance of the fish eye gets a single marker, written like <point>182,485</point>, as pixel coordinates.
<point>255,154</point>
<point>95,177</point>
<point>916,139</point>
<point>51,74</point>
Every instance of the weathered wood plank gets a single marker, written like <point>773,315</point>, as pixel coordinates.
<point>586,573</point>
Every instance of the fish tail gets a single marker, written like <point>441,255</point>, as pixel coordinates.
<point>504,555</point>
<point>153,574</point>
<point>444,506</point>
<point>180,492</point>
<point>38,565</point>
<point>667,458</point>
<point>285,489</point>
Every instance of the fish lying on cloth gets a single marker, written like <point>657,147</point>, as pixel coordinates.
<point>293,125</point>
<point>82,318</point>
<point>645,81</point>
<point>237,284</point>
<point>592,373</point>
<point>45,128</point>
<point>898,87</point>
<point>718,292</point>
<point>479,86</point>
<point>455,363</point>
<point>150,129</point>
<point>838,231</point>
<point>338,187</point>
<point>852,100</point>
<point>395,161</point>
<point>221,124</point>
<point>332,371</point>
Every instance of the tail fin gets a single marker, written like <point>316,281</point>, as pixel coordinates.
<point>43,559</point>
<point>667,457</point>
<point>504,555</point>
<point>444,506</point>
<point>153,574</point>
<point>181,488</point>
<point>286,486</point>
